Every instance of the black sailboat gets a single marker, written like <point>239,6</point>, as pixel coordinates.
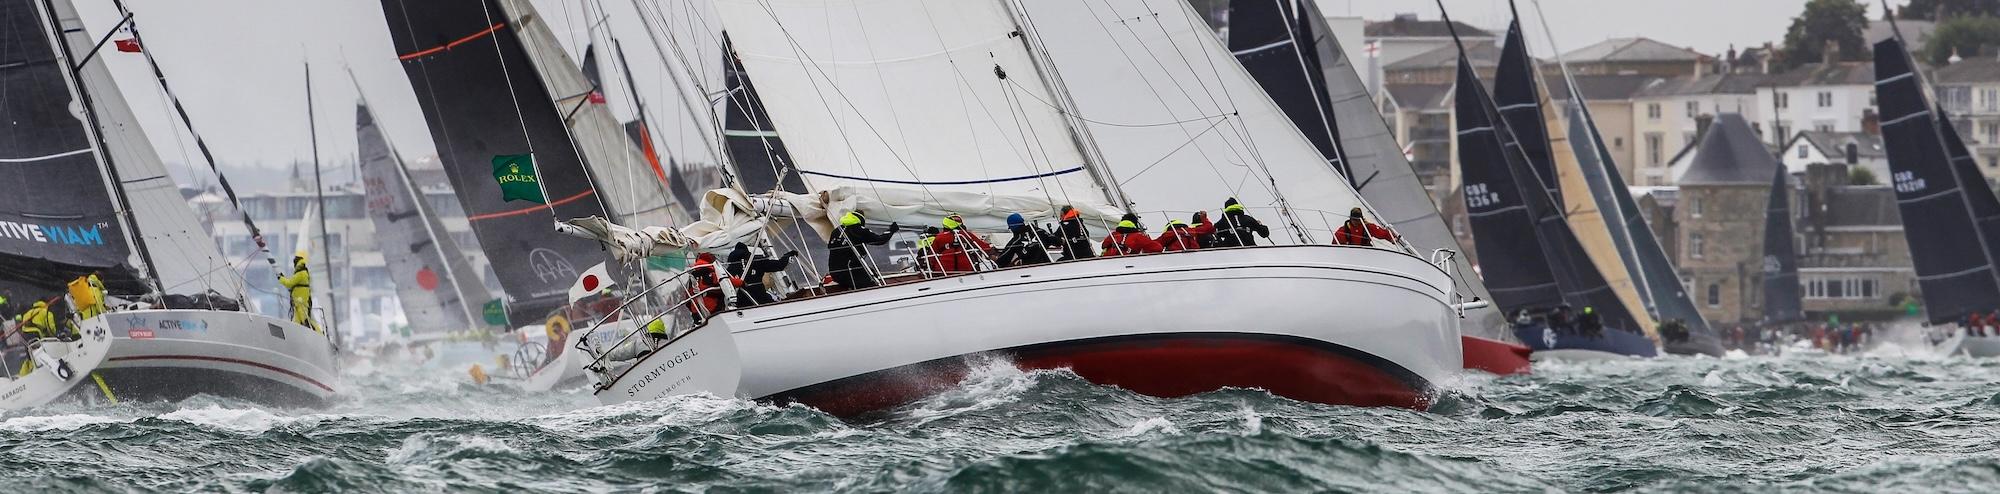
<point>483,98</point>
<point>1957,278</point>
<point>1517,95</point>
<point>1537,277</point>
<point>1782,302</point>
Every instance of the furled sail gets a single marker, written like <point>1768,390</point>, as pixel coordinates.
<point>1782,302</point>
<point>1591,224</point>
<point>619,170</point>
<point>907,110</point>
<point>1171,111</point>
<point>58,220</point>
<point>482,99</point>
<point>1956,276</point>
<point>437,288</point>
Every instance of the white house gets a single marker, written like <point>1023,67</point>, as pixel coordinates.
<point>1668,116</point>
<point>1824,97</point>
<point>1854,149</point>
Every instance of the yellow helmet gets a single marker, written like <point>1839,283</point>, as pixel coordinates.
<point>1127,224</point>
<point>953,221</point>
<point>850,219</point>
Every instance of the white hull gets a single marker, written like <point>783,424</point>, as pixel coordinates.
<point>175,353</point>
<point>701,361</point>
<point>1326,324</point>
<point>59,367</point>
<point>1980,346</point>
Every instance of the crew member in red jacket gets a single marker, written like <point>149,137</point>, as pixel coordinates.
<point>1129,239</point>
<point>956,247</point>
<point>1178,237</point>
<point>705,289</point>
<point>1358,231</point>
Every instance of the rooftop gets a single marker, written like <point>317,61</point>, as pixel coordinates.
<point>1632,50</point>
<point>1418,96</point>
<point>1730,154</point>
<point>1708,84</point>
<point>1969,71</point>
<point>1834,144</point>
<point>1409,26</point>
<point>1823,74</point>
<point>1619,87</point>
<point>1483,53</point>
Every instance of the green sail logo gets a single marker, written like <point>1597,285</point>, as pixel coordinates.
<point>517,182</point>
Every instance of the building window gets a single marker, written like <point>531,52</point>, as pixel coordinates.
<point>1714,295</point>
<point>1784,100</point>
<point>1655,148</point>
<point>1695,245</point>
<point>1618,143</point>
<point>1989,132</point>
<point>1848,288</point>
<point>1694,206</point>
<point>1825,99</point>
<point>1989,99</point>
<point>1823,125</point>
<point>1802,151</point>
<point>1694,108</point>
<point>1653,111</point>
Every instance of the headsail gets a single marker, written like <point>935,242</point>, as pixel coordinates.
<point>1172,111</point>
<point>907,110</point>
<point>1273,39</point>
<point>617,168</point>
<point>437,288</point>
<point>1782,301</point>
<point>1957,277</point>
<point>482,99</point>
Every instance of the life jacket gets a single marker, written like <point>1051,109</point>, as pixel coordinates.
<point>705,298</point>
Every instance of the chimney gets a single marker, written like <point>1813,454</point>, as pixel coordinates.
<point>1831,52</point>
<point>1764,62</point>
<point>1729,61</point>
<point>1871,123</point>
<point>1853,153</point>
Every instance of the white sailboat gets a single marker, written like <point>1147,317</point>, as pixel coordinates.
<point>908,110</point>
<point>179,346</point>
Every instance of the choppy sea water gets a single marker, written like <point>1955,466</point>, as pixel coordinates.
<point>1880,422</point>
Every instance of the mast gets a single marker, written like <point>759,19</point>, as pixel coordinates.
<point>319,197</point>
<point>1079,133</point>
<point>722,155</point>
<point>92,129</point>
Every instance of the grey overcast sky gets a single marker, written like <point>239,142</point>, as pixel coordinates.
<point>236,64</point>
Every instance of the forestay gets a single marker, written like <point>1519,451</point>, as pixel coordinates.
<point>896,108</point>
<point>1180,124</point>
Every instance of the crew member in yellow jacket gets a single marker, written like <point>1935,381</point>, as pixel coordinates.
<point>300,284</point>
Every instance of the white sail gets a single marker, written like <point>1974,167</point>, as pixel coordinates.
<point>618,169</point>
<point>895,108</point>
<point>1178,120</point>
<point>183,252</point>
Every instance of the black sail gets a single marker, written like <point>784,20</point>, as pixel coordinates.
<point>754,145</point>
<point>1272,40</point>
<point>57,219</point>
<point>1782,302</point>
<point>1953,271</point>
<point>1514,266</point>
<point>1985,207</point>
<point>1519,98</point>
<point>469,72</point>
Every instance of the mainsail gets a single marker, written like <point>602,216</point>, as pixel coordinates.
<point>1956,276</point>
<point>1782,303</point>
<point>438,289</point>
<point>58,220</point>
<point>1985,207</point>
<point>631,191</point>
<point>1517,93</point>
<point>1505,199</point>
<point>482,99</point>
<point>1590,223</point>
<point>1375,162</point>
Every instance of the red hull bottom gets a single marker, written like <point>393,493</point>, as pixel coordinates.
<point>1494,356</point>
<point>1167,365</point>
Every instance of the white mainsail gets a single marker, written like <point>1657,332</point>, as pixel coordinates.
<point>435,285</point>
<point>192,262</point>
<point>618,169</point>
<point>1177,117</point>
<point>894,108</point>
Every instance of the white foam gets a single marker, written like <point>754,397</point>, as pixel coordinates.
<point>420,447</point>
<point>55,422</point>
<point>1713,379</point>
<point>239,420</point>
<point>1159,424</point>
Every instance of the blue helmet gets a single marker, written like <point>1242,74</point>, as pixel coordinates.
<point>1015,219</point>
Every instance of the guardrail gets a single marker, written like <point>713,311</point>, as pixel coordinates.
<point>682,310</point>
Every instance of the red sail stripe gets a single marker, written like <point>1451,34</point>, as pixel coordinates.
<point>454,43</point>
<point>517,212</point>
